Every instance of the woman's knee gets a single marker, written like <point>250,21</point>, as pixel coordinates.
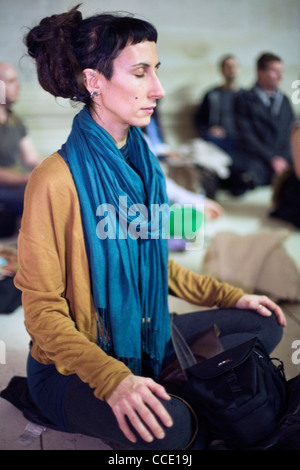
<point>88,415</point>
<point>272,333</point>
<point>249,324</point>
<point>184,430</point>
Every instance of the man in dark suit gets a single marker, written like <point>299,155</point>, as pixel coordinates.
<point>263,119</point>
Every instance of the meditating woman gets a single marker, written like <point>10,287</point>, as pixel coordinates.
<point>95,298</point>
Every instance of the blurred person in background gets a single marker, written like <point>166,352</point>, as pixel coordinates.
<point>214,117</point>
<point>18,155</point>
<point>264,117</point>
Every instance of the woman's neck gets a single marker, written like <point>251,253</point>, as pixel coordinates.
<point>117,132</point>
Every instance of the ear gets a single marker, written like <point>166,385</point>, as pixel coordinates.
<point>92,80</point>
<point>259,73</point>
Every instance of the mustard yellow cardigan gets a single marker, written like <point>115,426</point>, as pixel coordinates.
<point>54,277</point>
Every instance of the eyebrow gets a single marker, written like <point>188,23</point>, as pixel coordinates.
<point>144,64</point>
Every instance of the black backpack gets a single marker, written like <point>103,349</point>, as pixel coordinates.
<point>240,392</point>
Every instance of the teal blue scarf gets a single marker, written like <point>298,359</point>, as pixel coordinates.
<point>127,251</point>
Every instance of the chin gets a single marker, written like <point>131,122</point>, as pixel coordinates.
<point>142,122</point>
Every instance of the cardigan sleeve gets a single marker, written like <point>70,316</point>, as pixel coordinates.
<point>201,290</point>
<point>54,279</point>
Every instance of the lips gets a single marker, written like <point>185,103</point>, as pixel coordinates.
<point>149,110</point>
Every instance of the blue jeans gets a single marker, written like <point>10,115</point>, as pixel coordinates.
<point>71,403</point>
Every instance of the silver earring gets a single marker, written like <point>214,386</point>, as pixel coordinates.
<point>91,74</point>
<point>93,93</point>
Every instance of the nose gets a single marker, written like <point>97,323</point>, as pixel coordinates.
<point>157,91</point>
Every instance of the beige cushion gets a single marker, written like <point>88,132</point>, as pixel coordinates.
<point>258,263</point>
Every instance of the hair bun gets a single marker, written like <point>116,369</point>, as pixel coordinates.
<point>50,44</point>
<point>55,27</point>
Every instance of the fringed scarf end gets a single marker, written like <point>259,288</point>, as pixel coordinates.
<point>104,337</point>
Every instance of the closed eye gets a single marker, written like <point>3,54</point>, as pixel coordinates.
<point>142,67</point>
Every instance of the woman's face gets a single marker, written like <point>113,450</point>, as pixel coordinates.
<point>130,96</point>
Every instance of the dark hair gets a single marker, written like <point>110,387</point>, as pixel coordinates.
<point>265,58</point>
<point>64,45</point>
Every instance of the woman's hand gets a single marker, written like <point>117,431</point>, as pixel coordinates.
<point>135,399</point>
<point>212,209</point>
<point>262,305</point>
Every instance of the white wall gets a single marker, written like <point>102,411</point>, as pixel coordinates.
<point>193,34</point>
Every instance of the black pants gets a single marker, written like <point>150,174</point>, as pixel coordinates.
<point>85,414</point>
<point>11,199</point>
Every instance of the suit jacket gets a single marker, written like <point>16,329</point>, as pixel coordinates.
<point>263,133</point>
